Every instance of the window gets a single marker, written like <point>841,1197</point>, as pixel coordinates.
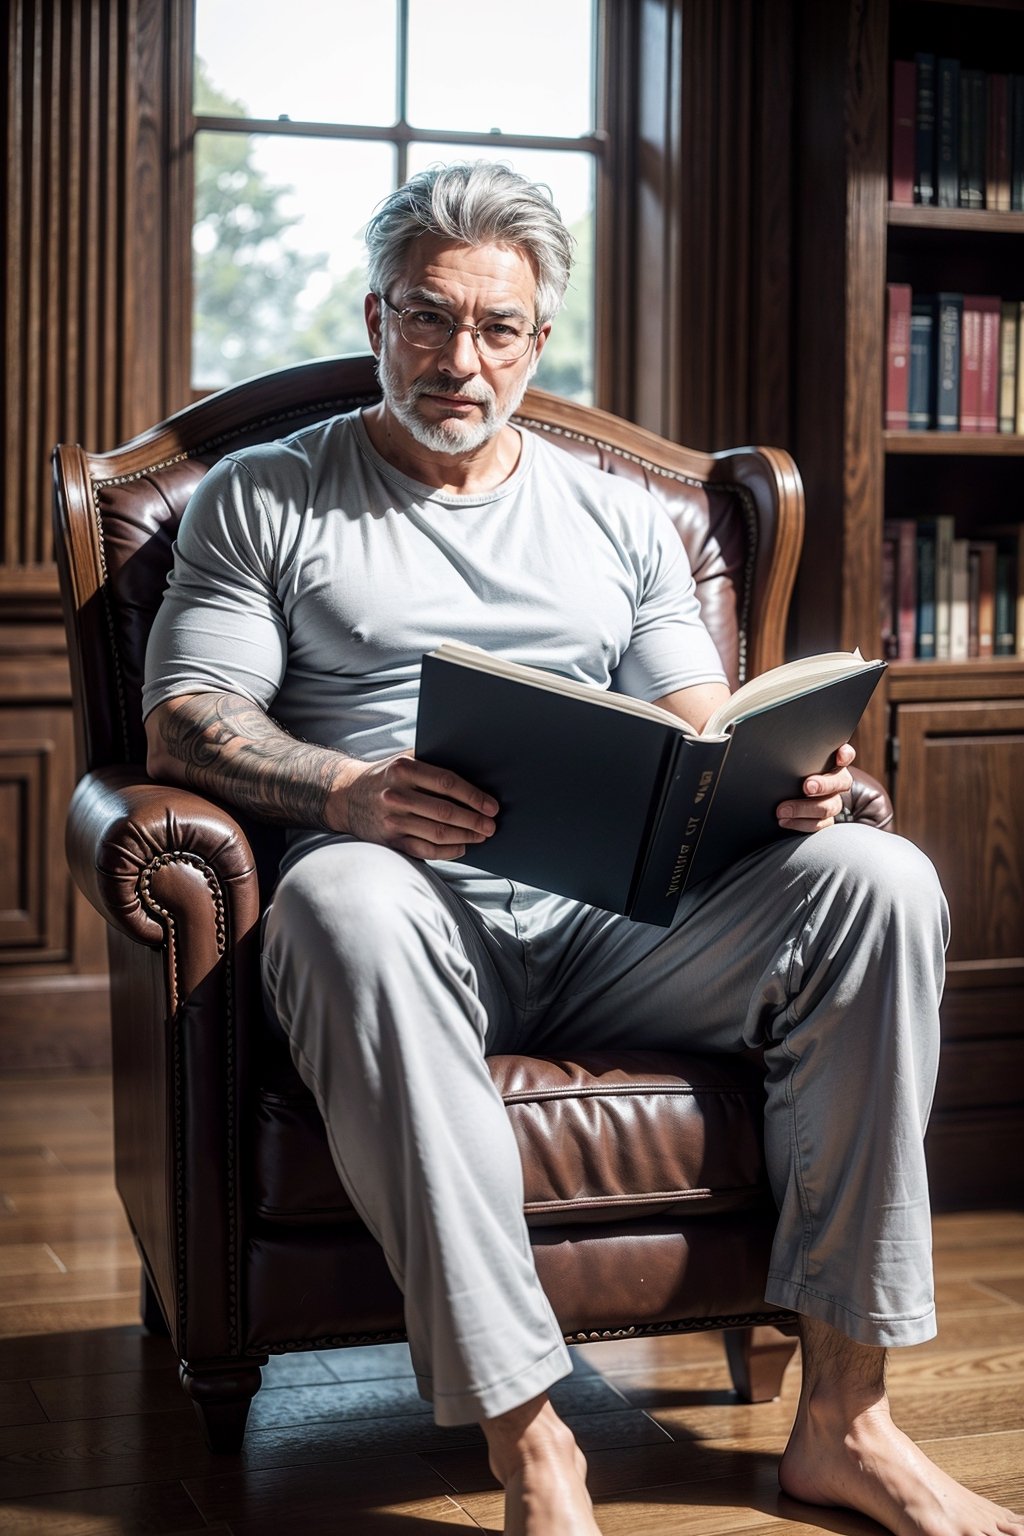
<point>302,126</point>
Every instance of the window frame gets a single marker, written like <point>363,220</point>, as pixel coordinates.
<point>401,135</point>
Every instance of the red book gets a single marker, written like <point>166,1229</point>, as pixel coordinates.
<point>897,356</point>
<point>970,366</point>
<point>988,373</point>
<point>904,108</point>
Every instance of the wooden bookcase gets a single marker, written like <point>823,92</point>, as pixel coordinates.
<point>949,737</point>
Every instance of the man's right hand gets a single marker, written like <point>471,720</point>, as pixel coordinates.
<point>420,810</point>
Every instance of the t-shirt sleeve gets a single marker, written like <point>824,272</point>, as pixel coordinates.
<point>220,627</point>
<point>669,647</point>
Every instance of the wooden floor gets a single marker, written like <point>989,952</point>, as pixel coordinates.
<point>96,1437</point>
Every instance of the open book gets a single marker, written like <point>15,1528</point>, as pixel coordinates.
<point>619,803</point>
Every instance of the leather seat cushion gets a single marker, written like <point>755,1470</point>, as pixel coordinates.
<point>602,1137</point>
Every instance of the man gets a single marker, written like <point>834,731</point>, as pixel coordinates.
<point>310,577</point>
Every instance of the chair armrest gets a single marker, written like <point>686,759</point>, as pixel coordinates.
<point>867,801</point>
<point>151,857</point>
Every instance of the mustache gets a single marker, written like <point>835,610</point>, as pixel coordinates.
<point>477,392</point>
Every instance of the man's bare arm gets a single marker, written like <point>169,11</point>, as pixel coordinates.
<point>227,746</point>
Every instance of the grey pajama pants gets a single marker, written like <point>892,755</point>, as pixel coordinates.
<point>393,979</point>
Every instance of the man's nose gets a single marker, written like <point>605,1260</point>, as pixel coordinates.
<point>459,354</point>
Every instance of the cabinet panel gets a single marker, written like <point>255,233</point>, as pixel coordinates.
<point>957,796</point>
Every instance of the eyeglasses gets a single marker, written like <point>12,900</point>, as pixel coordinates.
<point>503,340</point>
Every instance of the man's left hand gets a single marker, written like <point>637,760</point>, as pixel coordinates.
<point>824,797</point>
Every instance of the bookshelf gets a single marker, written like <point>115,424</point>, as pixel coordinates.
<point>948,736</point>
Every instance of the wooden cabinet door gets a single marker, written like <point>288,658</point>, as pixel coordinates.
<point>959,794</point>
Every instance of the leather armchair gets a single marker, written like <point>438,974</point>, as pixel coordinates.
<point>645,1182</point>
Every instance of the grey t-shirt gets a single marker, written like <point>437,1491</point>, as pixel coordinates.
<point>310,576</point>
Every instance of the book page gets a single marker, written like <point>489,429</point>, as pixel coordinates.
<point>483,661</point>
<point>786,682</point>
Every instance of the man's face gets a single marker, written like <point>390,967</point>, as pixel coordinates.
<point>452,400</point>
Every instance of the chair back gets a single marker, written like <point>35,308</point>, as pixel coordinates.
<point>739,513</point>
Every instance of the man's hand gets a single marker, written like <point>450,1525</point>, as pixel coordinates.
<point>411,806</point>
<point>824,792</point>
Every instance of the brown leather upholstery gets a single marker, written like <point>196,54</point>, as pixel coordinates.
<point>645,1181</point>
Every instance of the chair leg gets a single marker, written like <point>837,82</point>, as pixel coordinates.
<point>221,1398</point>
<point>153,1319</point>
<point>758,1358</point>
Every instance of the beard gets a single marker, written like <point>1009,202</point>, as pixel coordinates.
<point>453,436</point>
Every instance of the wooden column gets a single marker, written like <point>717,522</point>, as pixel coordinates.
<point>90,299</point>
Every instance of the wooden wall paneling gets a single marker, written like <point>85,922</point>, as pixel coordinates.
<point>88,122</point>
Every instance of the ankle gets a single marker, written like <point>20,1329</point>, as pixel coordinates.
<point>525,1436</point>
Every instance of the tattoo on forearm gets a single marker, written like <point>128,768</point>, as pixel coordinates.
<point>229,747</point>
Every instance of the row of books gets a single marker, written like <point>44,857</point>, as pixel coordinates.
<point>954,362</point>
<point>957,135</point>
<point>951,599</point>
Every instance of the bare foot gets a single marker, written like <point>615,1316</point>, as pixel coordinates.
<point>543,1472</point>
<point>872,1466</point>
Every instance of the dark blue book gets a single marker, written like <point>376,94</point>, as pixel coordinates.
<point>924,139</point>
<point>921,388</point>
<point>973,136</point>
<point>947,131</point>
<point>948,310</point>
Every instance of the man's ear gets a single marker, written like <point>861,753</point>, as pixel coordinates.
<point>371,314</point>
<point>540,341</point>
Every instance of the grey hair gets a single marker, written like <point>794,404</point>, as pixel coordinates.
<point>475,204</point>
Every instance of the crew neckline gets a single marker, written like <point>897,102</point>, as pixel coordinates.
<point>424,492</point>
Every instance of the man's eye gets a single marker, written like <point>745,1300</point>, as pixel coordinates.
<point>502,331</point>
<point>428,319</point>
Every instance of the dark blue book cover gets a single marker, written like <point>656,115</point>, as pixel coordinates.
<point>947,128</point>
<point>924,141</point>
<point>948,310</point>
<point>921,389</point>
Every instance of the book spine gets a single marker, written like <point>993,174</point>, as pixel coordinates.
<point>959,626</point>
<point>1005,638</point>
<point>1019,418</point>
<point>970,366</point>
<point>1007,366</point>
<point>949,313</point>
<point>888,604</point>
<point>924,147</point>
<point>897,371</point>
<point>1017,143</point>
<point>925,647</point>
<point>903,530</point>
<point>947,153</point>
<point>985,550</point>
<point>988,372</point>
<point>972,192</point>
<point>690,778</point>
<point>943,585</point>
<point>920,400</point>
<point>997,181</point>
<point>904,103</point>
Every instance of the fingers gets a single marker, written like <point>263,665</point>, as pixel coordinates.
<point>823,801</point>
<point>426,812</point>
<point>437,805</point>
